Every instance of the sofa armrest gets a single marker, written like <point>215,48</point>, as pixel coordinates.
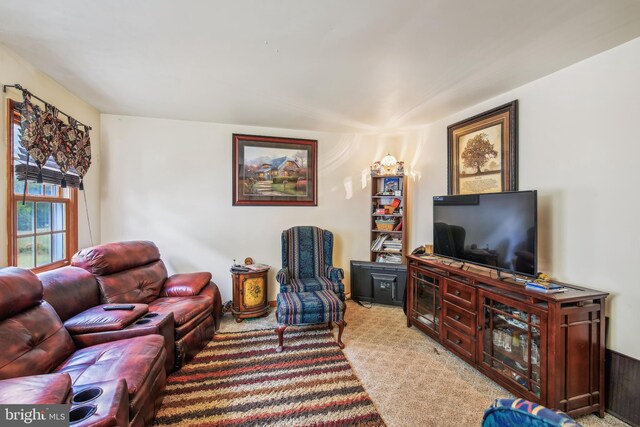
<point>151,324</point>
<point>112,405</point>
<point>212,291</point>
<point>285,289</point>
<point>338,288</point>
<point>97,319</point>
<point>334,274</point>
<point>49,389</point>
<point>185,285</point>
<point>282,276</point>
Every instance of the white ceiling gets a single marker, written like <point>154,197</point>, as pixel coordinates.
<point>334,65</point>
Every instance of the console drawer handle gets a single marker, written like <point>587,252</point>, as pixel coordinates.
<point>458,341</point>
<point>456,317</point>
<point>457,293</point>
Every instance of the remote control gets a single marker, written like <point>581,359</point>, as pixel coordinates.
<point>119,307</point>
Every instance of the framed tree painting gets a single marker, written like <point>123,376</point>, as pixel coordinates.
<point>483,152</point>
<point>273,171</point>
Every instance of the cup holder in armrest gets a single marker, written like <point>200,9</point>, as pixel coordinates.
<point>81,413</point>
<point>143,321</point>
<point>86,395</point>
<point>150,315</point>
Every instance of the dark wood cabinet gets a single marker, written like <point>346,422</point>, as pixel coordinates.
<point>547,348</point>
<point>250,290</point>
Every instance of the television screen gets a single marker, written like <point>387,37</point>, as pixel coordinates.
<point>497,230</point>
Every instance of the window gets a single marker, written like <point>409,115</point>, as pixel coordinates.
<point>43,230</point>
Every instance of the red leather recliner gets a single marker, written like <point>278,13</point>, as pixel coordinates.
<point>48,389</point>
<point>75,295</point>
<point>132,272</point>
<point>34,342</point>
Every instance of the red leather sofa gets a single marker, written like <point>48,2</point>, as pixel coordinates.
<point>130,372</point>
<point>133,273</point>
<point>48,389</point>
<point>75,296</point>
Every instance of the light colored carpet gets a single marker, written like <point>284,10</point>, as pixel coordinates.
<point>412,380</point>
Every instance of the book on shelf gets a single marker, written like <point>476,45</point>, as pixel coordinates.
<point>393,241</point>
<point>257,267</point>
<point>392,245</point>
<point>391,184</point>
<point>392,249</point>
<point>398,227</point>
<point>377,244</point>
<point>389,258</point>
<point>391,206</point>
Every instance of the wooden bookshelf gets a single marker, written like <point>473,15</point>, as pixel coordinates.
<point>381,185</point>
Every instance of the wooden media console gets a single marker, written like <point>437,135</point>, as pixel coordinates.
<point>547,348</point>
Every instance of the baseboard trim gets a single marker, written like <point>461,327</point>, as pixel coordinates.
<point>622,394</point>
<point>621,418</point>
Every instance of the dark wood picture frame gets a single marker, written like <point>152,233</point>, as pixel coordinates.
<point>274,171</point>
<point>488,143</point>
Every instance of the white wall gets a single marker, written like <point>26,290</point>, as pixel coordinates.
<point>579,147</point>
<point>170,181</point>
<point>14,69</point>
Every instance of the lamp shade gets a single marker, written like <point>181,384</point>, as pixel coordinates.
<point>388,161</point>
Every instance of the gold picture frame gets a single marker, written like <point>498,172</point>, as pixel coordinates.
<point>483,152</point>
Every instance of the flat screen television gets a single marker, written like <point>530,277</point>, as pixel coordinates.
<point>497,230</point>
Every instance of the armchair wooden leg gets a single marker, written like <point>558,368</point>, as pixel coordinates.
<point>344,311</point>
<point>341,326</point>
<point>280,330</point>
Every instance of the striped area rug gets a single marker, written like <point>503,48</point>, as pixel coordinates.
<point>239,380</point>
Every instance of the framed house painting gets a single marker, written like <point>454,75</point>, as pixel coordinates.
<point>483,152</point>
<point>273,171</point>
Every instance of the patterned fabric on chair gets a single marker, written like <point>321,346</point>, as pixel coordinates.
<point>520,412</point>
<point>307,258</point>
<point>303,308</point>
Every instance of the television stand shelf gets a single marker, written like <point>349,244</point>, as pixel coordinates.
<point>547,348</point>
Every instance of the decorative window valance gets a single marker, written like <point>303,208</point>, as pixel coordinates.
<point>52,143</point>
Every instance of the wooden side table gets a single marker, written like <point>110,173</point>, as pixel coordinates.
<point>250,294</point>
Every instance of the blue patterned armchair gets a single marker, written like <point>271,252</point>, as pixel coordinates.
<point>520,412</point>
<point>307,258</point>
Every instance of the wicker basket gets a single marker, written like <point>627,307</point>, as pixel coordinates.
<point>385,225</point>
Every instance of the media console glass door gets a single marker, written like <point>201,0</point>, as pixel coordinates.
<point>513,344</point>
<point>426,300</point>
